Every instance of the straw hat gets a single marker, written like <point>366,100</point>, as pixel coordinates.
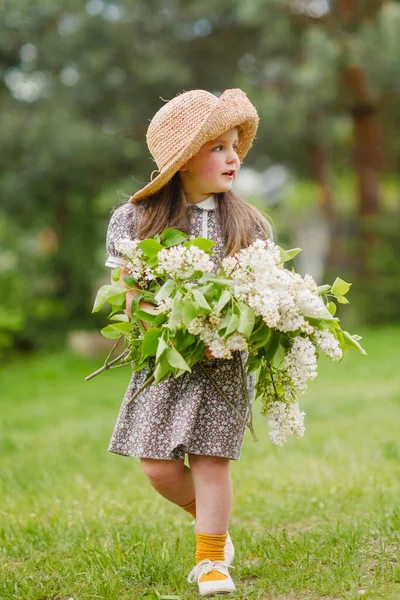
<point>184,124</point>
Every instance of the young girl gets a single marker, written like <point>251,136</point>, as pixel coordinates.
<point>198,141</point>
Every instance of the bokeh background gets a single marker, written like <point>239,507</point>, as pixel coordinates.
<point>80,83</point>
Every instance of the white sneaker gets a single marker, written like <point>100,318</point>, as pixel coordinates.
<point>229,547</point>
<point>219,586</point>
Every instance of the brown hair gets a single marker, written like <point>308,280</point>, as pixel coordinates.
<point>240,222</point>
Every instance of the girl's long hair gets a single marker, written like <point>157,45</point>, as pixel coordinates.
<point>239,221</point>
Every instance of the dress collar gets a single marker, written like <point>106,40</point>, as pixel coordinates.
<point>207,204</point>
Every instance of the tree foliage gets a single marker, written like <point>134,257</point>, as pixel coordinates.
<point>80,83</point>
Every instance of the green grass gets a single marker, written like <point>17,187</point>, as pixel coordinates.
<point>318,518</point>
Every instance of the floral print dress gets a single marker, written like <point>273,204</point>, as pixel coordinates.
<point>187,414</point>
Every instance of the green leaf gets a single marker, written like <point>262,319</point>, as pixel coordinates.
<point>342,300</point>
<point>123,327</point>
<point>279,355</point>
<point>176,311</point>
<point>261,336</point>
<point>226,319</point>
<point>150,247</point>
<point>201,242</point>
<point>165,291</point>
<point>233,324</point>
<point>288,254</point>
<point>129,280</point>
<point>161,370</point>
<point>153,260</point>
<point>116,274</point>
<point>110,333</point>
<point>331,306</point>
<point>196,354</point>
<point>161,347</point>
<point>200,300</point>
<point>176,360</point>
<point>218,281</point>
<point>114,294</point>
<point>340,287</point>
<point>183,339</point>
<point>352,342</point>
<point>150,316</point>
<point>253,362</point>
<point>173,237</point>
<point>150,341</point>
<point>322,289</point>
<point>246,320</point>
<point>119,317</point>
<point>225,297</point>
<point>272,346</point>
<point>190,311</point>
<point>209,292</point>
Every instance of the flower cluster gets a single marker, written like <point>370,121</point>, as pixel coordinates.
<point>181,262</point>
<point>206,328</point>
<point>285,307</point>
<point>300,366</point>
<point>328,344</point>
<point>284,300</point>
<point>281,297</point>
<point>285,420</point>
<point>136,260</point>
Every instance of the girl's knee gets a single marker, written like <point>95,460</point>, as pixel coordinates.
<point>207,463</point>
<point>162,472</point>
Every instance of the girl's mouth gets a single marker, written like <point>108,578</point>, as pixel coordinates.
<point>229,174</point>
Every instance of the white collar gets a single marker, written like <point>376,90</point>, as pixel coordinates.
<point>207,204</point>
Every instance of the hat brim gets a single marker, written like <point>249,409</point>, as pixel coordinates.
<point>233,108</point>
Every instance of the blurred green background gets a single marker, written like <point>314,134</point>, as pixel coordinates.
<point>80,83</point>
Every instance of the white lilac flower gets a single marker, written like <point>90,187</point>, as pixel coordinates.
<point>300,364</point>
<point>148,274</point>
<point>285,420</point>
<point>283,298</point>
<point>206,328</point>
<point>136,260</point>
<point>237,341</point>
<point>328,344</point>
<point>165,305</point>
<point>182,262</point>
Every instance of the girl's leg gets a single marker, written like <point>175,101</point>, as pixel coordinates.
<point>214,498</point>
<point>171,478</point>
<point>214,492</point>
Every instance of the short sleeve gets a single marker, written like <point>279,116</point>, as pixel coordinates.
<point>124,224</point>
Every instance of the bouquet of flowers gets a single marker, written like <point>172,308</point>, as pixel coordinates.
<point>251,303</point>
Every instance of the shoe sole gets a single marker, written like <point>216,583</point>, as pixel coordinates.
<point>217,590</point>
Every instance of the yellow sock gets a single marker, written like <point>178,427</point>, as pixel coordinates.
<point>211,546</point>
<point>190,508</point>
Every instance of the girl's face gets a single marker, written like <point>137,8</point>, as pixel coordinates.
<point>204,174</point>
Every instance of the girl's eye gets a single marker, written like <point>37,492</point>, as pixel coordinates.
<point>221,146</point>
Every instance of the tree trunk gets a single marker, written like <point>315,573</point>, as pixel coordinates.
<point>368,161</point>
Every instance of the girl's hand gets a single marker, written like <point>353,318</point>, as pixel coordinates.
<point>209,354</point>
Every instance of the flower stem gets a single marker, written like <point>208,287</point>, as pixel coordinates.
<point>272,379</point>
<point>108,365</point>
<point>142,387</point>
<point>246,392</point>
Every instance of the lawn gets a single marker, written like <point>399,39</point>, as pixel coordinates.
<point>318,518</point>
